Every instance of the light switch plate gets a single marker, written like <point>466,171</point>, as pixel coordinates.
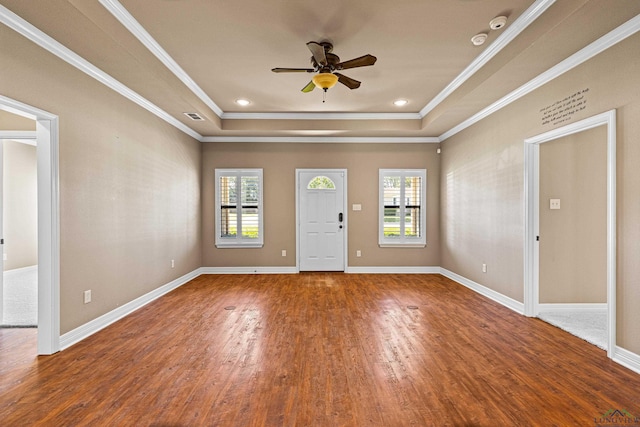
<point>357,207</point>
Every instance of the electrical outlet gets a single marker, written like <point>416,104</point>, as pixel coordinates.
<point>284,252</point>
<point>173,263</point>
<point>87,296</point>
<point>554,203</point>
<point>484,268</point>
<point>358,253</point>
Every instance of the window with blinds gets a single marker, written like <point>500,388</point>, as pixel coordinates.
<point>402,216</point>
<point>239,208</point>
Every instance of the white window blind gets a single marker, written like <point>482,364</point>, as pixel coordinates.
<point>402,199</point>
<point>239,208</point>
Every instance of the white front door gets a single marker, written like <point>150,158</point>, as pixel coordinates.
<point>321,219</point>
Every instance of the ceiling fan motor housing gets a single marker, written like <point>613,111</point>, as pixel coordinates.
<point>332,60</point>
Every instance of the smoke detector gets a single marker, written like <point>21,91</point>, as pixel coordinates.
<point>479,39</point>
<point>498,22</point>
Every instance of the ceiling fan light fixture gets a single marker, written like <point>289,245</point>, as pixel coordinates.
<point>325,80</point>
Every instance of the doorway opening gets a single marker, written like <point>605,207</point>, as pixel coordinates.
<point>48,242</point>
<point>18,228</point>
<point>532,212</point>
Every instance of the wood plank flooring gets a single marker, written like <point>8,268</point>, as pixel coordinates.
<point>316,349</point>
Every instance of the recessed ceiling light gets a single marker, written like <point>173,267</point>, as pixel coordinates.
<point>243,102</point>
<point>479,39</point>
<point>400,102</point>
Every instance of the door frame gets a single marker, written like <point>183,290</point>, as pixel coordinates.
<point>47,138</point>
<point>532,215</point>
<point>345,232</point>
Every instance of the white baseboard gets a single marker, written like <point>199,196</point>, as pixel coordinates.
<point>626,358</point>
<point>553,307</point>
<point>99,323</point>
<point>514,305</point>
<point>393,270</point>
<point>15,271</point>
<point>247,270</point>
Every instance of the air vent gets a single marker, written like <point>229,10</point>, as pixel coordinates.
<point>195,116</point>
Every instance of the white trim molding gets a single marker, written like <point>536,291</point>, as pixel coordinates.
<point>47,138</point>
<point>18,134</point>
<point>510,33</point>
<point>392,270</point>
<point>99,323</point>
<point>603,43</point>
<point>326,139</point>
<point>248,270</point>
<point>574,307</point>
<point>48,43</point>
<point>134,27</point>
<point>626,358</point>
<point>321,116</point>
<point>514,305</point>
<point>32,33</point>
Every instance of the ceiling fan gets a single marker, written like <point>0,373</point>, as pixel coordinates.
<point>325,64</point>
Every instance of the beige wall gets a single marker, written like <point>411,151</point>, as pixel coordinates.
<point>482,173</point>
<point>20,205</point>
<point>9,121</point>
<point>280,161</point>
<point>573,239</point>
<point>133,189</point>
<point>129,184</point>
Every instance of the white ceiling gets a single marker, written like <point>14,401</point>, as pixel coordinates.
<point>201,55</point>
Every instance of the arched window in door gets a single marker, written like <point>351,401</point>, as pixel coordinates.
<point>321,183</point>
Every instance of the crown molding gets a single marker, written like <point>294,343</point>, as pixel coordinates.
<point>324,139</point>
<point>18,134</point>
<point>613,37</point>
<point>138,31</point>
<point>35,35</point>
<point>322,116</point>
<point>46,42</point>
<point>511,32</point>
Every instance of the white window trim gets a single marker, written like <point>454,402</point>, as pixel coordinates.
<point>238,241</point>
<point>402,241</point>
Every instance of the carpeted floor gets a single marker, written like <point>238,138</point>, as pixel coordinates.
<point>20,298</point>
<point>590,325</point>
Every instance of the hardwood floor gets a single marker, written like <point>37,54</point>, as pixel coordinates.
<point>316,350</point>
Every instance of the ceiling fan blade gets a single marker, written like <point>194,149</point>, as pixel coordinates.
<point>317,50</point>
<point>292,70</point>
<point>308,88</point>
<point>348,81</point>
<point>363,61</point>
